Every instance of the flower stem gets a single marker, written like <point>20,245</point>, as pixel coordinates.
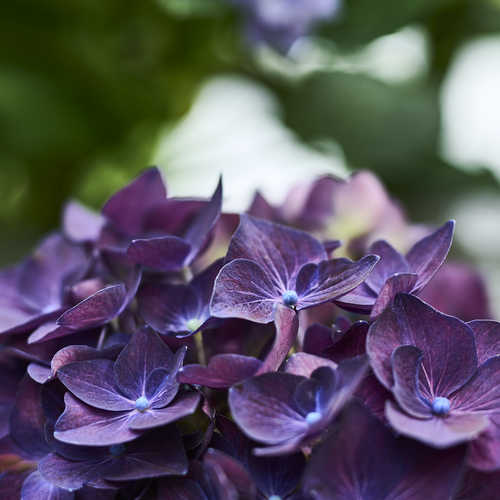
<point>198,338</point>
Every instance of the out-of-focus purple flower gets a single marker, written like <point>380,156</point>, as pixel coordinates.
<point>120,401</point>
<point>180,309</point>
<point>395,273</point>
<point>459,290</point>
<point>280,22</point>
<point>361,459</point>
<point>145,227</point>
<point>446,388</point>
<point>287,411</point>
<point>268,263</point>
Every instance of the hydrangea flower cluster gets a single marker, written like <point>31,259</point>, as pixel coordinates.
<point>141,361</point>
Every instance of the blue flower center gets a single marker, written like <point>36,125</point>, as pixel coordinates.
<point>117,449</point>
<point>142,404</point>
<point>274,497</point>
<point>290,298</point>
<point>313,417</point>
<point>441,406</point>
<point>193,324</point>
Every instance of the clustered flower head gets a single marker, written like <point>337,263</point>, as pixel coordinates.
<point>146,355</point>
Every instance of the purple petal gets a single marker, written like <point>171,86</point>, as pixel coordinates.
<point>27,419</point>
<point>351,344</point>
<point>281,251</point>
<point>168,308</point>
<point>69,474</point>
<point>359,301</point>
<point>374,395</point>
<point>447,343</point>
<point>332,279</point>
<point>85,425</point>
<point>317,338</point>
<point>394,284</point>
<point>38,373</point>
<point>201,229</point>
<point>80,224</point>
<point>265,409</point>
<point>54,264</point>
<point>182,406</point>
<point>166,253</point>
<point>72,354</point>
<point>96,310</point>
<point>143,354</point>
<point>477,485</point>
<point>37,487</point>
<point>93,382</point>
<point>243,289</point>
<point>179,488</point>
<point>485,449</point>
<point>146,457</point>
<point>304,364</point>
<point>437,432</point>
<point>127,209</point>
<point>287,327</point>
<point>391,262</point>
<point>162,384</point>
<point>406,361</point>
<point>223,371</point>
<point>428,254</point>
<point>487,335</point>
<point>362,459</point>
<point>482,392</point>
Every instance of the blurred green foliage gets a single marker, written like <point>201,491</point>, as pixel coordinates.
<point>87,85</point>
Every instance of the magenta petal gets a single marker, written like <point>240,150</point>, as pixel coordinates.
<point>428,254</point>
<point>128,208</point>
<point>166,253</point>
<point>477,485</point>
<point>143,354</point>
<point>86,425</point>
<point>406,365</point>
<point>304,364</point>
<point>96,310</point>
<point>93,382</point>
<point>243,289</point>
<point>37,487</point>
<point>447,343</point>
<point>182,406</point>
<point>223,371</point>
<point>394,284</point>
<point>437,432</point>
<point>487,333</point>
<point>287,327</point>
<point>265,409</point>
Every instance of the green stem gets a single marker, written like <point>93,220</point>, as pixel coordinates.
<point>200,350</point>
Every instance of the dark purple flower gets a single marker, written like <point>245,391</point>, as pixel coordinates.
<point>145,227</point>
<point>395,273</point>
<point>287,411</point>
<point>225,370</point>
<point>155,454</point>
<point>121,400</point>
<point>180,309</point>
<point>36,291</point>
<point>268,263</point>
<point>430,362</point>
<point>361,459</point>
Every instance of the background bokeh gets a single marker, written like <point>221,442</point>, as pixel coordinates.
<point>91,92</point>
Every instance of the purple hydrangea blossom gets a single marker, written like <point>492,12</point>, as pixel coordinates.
<point>268,263</point>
